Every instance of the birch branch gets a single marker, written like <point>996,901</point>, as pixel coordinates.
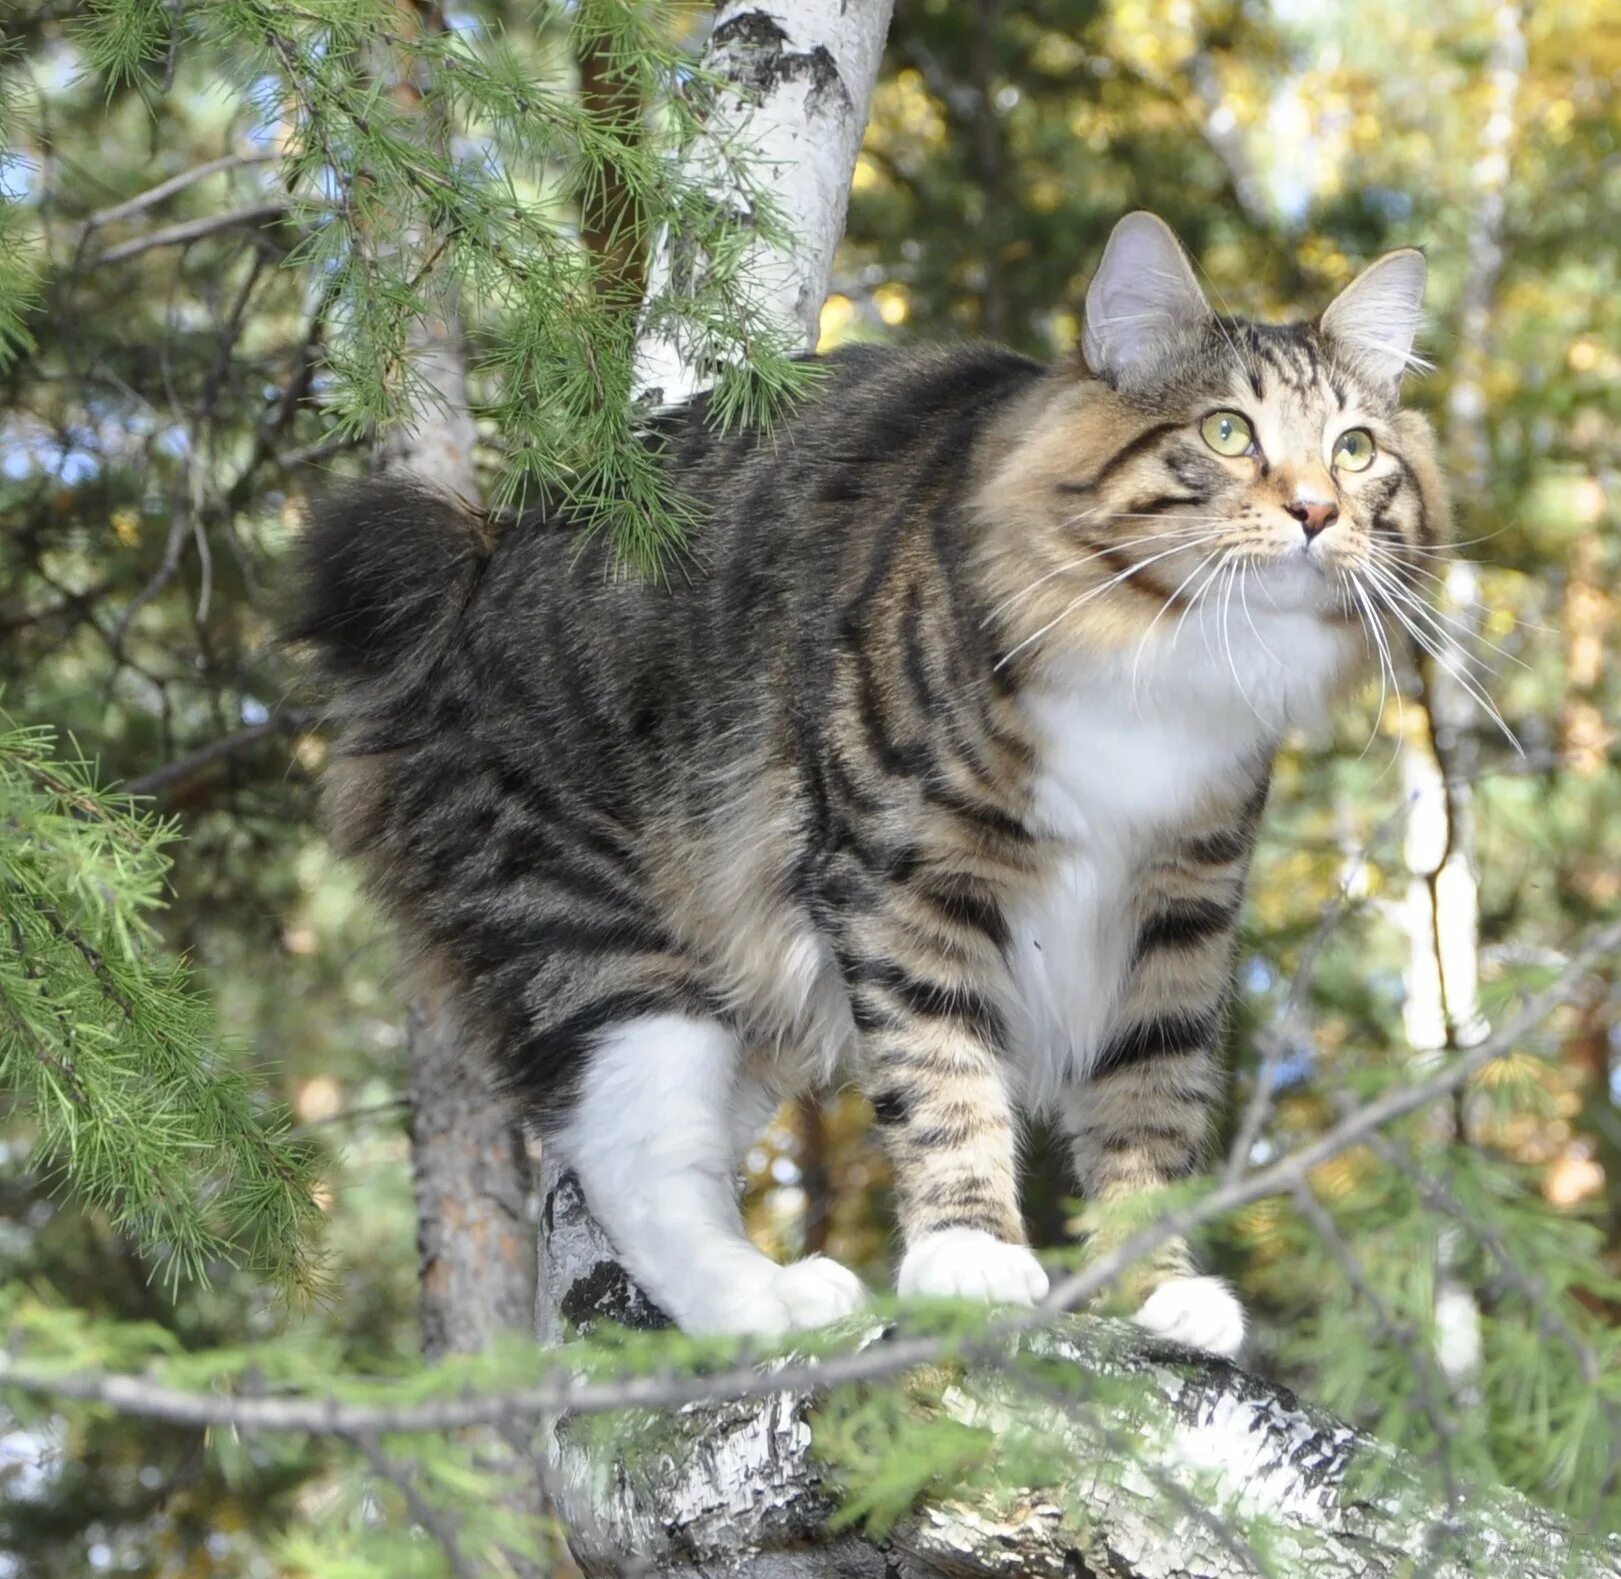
<point>1165,1466</point>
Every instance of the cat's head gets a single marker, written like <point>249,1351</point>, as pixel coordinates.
<point>1251,473</point>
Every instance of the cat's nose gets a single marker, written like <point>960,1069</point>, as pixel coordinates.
<point>1314,515</point>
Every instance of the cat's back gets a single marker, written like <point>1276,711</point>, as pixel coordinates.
<point>785,531</point>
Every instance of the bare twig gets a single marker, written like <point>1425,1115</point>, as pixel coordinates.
<point>289,721</point>
<point>189,230</point>
<point>175,183</point>
<point>442,1529</point>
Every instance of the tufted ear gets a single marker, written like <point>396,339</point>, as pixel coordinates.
<point>1377,316</point>
<point>1143,292</point>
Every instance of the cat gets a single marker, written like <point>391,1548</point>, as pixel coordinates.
<point>937,763</point>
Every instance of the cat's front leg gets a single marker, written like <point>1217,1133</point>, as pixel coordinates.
<point>1139,1123</point>
<point>932,1063</point>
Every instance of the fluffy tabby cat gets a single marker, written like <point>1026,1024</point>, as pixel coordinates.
<point>942,770</point>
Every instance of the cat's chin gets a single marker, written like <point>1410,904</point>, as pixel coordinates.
<point>1299,582</point>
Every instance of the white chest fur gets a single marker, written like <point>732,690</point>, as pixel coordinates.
<point>1126,757</point>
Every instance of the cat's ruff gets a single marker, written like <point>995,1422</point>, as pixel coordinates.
<point>1129,745</point>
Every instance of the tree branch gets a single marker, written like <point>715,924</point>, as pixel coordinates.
<point>176,183</point>
<point>1212,1467</point>
<point>187,231</point>
<point>163,780</point>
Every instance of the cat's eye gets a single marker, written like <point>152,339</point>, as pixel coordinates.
<point>1227,433</point>
<point>1354,451</point>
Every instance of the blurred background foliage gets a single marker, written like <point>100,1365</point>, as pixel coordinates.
<point>171,412</point>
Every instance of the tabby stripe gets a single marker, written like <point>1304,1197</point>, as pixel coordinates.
<point>990,819</point>
<point>916,666</point>
<point>944,1137</point>
<point>950,453</point>
<point>563,871</point>
<point>1162,502</point>
<point>927,700</point>
<point>1145,1135</point>
<point>1190,922</point>
<point>615,1008</point>
<point>914,760</point>
<point>930,999</point>
<point>585,826</point>
<point>1131,577</point>
<point>965,1196</point>
<point>1164,1037</point>
<point>1218,849</point>
<point>503,941</point>
<point>1256,381</point>
<point>964,907</point>
<point>895,863</point>
<point>1144,440</point>
<point>1418,495</point>
<point>893,1058</point>
<point>569,676</point>
<point>897,759</point>
<point>846,788</point>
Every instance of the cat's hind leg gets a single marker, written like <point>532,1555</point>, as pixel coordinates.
<point>653,1139</point>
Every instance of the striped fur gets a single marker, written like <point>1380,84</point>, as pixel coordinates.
<point>937,763</point>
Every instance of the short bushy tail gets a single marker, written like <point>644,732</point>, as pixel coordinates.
<point>386,569</point>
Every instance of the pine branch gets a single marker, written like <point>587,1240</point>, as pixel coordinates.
<point>104,1044</point>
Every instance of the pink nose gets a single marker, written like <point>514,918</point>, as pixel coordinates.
<point>1314,515</point>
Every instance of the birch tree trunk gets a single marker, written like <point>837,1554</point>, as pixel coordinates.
<point>1442,1009</point>
<point>804,71</point>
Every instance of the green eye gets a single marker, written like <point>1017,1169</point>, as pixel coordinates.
<point>1227,433</point>
<point>1353,451</point>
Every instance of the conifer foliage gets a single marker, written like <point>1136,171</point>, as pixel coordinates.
<point>108,1051</point>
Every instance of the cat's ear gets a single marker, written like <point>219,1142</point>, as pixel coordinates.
<point>1144,291</point>
<point>1378,315</point>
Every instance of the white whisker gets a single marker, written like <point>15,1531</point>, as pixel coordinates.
<point>1087,597</point>
<point>1447,661</point>
<point>1085,559</point>
<point>1143,640</point>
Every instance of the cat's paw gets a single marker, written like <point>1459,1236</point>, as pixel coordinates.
<point>1199,1312</point>
<point>968,1263</point>
<point>809,1293</point>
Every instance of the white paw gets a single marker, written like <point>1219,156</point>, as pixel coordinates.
<point>809,1293</point>
<point>968,1263</point>
<point>1199,1312</point>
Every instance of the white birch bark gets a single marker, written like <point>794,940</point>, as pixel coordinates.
<point>1217,1477</point>
<point>804,71</point>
